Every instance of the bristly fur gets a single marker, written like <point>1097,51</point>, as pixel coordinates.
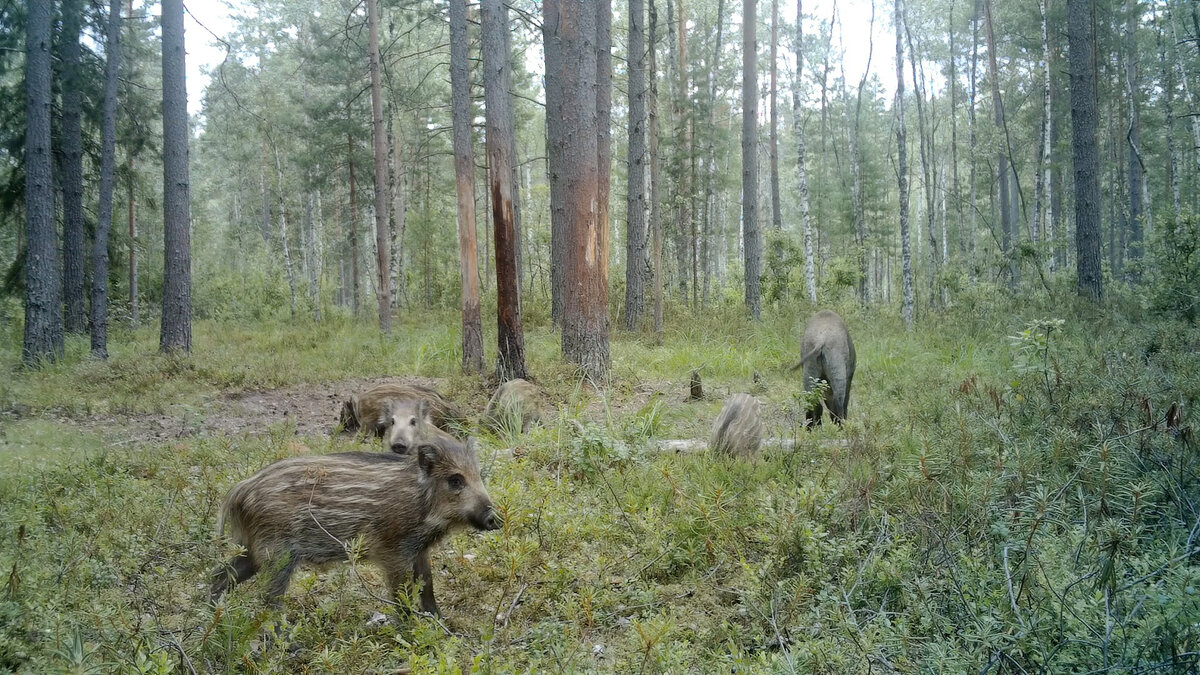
<point>371,410</point>
<point>310,509</point>
<point>828,355</point>
<point>738,428</point>
<point>513,400</point>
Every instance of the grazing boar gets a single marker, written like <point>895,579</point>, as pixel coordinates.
<point>827,354</point>
<point>384,406</point>
<point>515,402</point>
<point>311,509</point>
<point>738,429</point>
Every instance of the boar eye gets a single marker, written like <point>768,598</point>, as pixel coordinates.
<point>456,482</point>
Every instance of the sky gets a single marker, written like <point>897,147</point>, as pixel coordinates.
<point>204,53</point>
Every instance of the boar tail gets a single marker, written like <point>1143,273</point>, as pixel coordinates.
<point>804,359</point>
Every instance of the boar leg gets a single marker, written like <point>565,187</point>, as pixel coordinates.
<point>423,575</point>
<point>239,569</point>
<point>281,577</point>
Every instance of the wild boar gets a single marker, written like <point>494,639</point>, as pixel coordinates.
<point>378,409</point>
<point>738,429</point>
<point>311,509</point>
<point>827,354</point>
<point>514,403</point>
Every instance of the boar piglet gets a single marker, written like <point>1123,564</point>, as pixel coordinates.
<point>515,401</point>
<point>377,409</point>
<point>310,510</point>
<point>738,429</point>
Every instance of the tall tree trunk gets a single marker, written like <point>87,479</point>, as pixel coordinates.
<point>43,339</point>
<point>953,83</point>
<point>902,170</point>
<point>108,166</point>
<point>176,331</point>
<point>973,141</point>
<point>679,159</point>
<point>1003,172</point>
<point>860,220</point>
<point>928,170</point>
<point>810,274</point>
<point>464,174</point>
<point>556,161</point>
<point>710,161</point>
<point>510,362</point>
<point>1168,86</point>
<point>753,240</point>
<point>266,196</point>
<point>1081,41</point>
<point>283,232</point>
<point>1041,198</point>
<point>352,224</point>
<point>655,173</point>
<point>75,320</point>
<point>776,216</point>
<point>582,43</point>
<point>312,254</point>
<point>1133,134</point>
<point>635,208</point>
<point>131,198</point>
<point>382,248</point>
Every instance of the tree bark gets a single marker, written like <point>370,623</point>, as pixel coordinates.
<point>75,318</point>
<point>1003,172</point>
<point>750,233</point>
<point>810,274</point>
<point>382,248</point>
<point>635,208</point>
<point>176,333</point>
<point>776,216</point>
<point>134,317</point>
<point>1041,197</point>
<point>902,170</point>
<point>1168,86</point>
<point>464,168</point>
<point>352,224</point>
<point>856,190</point>
<point>510,361</point>
<point>973,142</point>
<point>108,166</point>
<point>43,338</point>
<point>1081,42</point>
<point>928,170</point>
<point>1133,135</point>
<point>556,160</point>
<point>283,232</point>
<point>655,173</point>
<point>582,27</point>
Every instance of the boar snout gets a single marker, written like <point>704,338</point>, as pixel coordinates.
<point>489,519</point>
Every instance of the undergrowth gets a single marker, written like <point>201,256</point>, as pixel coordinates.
<point>1006,495</point>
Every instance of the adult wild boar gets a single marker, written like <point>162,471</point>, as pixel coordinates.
<point>310,509</point>
<point>515,404</point>
<point>384,409</point>
<point>738,429</point>
<point>827,354</point>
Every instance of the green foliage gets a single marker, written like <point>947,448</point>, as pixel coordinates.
<point>1173,283</point>
<point>950,525</point>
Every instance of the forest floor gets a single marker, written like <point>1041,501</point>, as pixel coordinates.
<point>1006,490</point>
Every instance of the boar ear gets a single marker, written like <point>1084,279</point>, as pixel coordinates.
<point>427,457</point>
<point>423,413</point>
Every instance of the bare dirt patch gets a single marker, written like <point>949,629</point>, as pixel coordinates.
<point>307,410</point>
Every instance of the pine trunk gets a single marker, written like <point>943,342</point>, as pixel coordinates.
<point>810,274</point>
<point>1003,172</point>
<point>382,246</point>
<point>283,234</point>
<point>1133,135</point>
<point>635,208</point>
<point>655,172</point>
<point>108,166</point>
<point>43,339</point>
<point>352,225</point>
<point>902,171</point>
<point>750,233</point>
<point>75,318</point>
<point>1081,42</point>
<point>510,362</point>
<point>176,331</point>
<point>776,216</point>
<point>464,174</point>
<point>131,198</point>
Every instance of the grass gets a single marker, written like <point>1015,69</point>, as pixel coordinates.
<point>982,509</point>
